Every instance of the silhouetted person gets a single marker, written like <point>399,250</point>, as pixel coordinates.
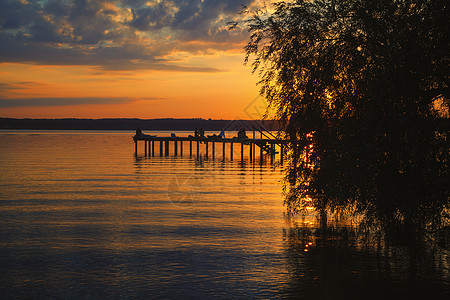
<point>196,134</point>
<point>241,134</point>
<point>222,134</point>
<point>138,132</point>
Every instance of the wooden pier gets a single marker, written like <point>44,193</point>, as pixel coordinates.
<point>207,147</point>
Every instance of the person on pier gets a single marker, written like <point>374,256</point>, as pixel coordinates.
<point>241,134</point>
<point>222,134</point>
<point>141,135</point>
<point>202,133</point>
<point>138,132</point>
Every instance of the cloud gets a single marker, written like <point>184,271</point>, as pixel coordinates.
<point>5,87</point>
<point>18,89</point>
<point>116,35</point>
<point>152,17</point>
<point>23,102</point>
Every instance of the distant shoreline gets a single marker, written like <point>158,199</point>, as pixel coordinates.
<point>132,124</point>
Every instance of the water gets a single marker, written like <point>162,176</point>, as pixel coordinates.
<point>82,218</point>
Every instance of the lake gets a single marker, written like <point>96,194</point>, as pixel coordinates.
<point>82,217</point>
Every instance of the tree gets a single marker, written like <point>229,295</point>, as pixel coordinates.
<point>353,83</point>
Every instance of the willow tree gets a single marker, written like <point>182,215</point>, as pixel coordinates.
<point>356,84</point>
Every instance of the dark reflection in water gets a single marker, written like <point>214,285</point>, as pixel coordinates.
<point>343,260</point>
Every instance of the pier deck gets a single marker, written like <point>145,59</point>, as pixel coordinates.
<point>269,147</point>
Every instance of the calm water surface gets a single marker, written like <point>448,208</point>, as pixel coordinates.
<point>82,218</point>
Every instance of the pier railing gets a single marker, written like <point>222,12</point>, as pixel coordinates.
<point>267,134</point>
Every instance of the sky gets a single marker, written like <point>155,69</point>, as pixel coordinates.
<point>125,59</point>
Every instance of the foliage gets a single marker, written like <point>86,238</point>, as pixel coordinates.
<point>354,83</point>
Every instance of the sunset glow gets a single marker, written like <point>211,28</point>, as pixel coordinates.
<point>123,59</point>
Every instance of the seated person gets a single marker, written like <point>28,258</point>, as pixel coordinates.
<point>222,134</point>
<point>201,133</point>
<point>139,134</point>
<point>241,134</point>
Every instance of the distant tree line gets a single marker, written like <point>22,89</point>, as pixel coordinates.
<point>132,124</point>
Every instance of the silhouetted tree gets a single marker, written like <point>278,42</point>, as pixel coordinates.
<point>362,88</point>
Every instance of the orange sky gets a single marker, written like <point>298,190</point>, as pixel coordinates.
<point>124,59</point>
<point>134,94</point>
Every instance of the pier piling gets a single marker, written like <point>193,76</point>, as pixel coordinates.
<point>198,149</point>
<point>272,153</point>
<point>261,153</point>
<point>281,153</point>
<point>167,148</point>
<point>223,151</point>
<point>231,151</point>
<point>145,148</point>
